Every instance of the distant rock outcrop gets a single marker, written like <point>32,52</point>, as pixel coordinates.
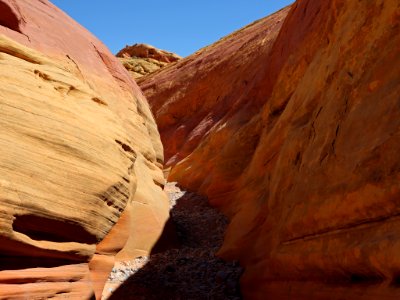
<point>143,59</point>
<point>291,126</point>
<point>80,158</point>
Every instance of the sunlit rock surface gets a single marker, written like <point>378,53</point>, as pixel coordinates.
<point>80,167</point>
<point>143,59</point>
<point>293,131</point>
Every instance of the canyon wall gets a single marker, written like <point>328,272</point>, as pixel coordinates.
<point>291,127</point>
<point>81,158</point>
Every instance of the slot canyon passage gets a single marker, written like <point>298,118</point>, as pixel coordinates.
<point>263,166</point>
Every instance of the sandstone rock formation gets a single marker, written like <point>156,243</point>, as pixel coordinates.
<point>81,158</point>
<point>207,90</point>
<point>143,59</point>
<point>293,131</point>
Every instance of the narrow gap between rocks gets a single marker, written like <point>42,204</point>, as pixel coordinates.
<point>185,267</point>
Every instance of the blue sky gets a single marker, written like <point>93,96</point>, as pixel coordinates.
<point>176,25</point>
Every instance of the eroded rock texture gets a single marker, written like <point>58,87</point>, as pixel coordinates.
<point>207,88</point>
<point>80,177</point>
<point>143,59</point>
<point>296,137</point>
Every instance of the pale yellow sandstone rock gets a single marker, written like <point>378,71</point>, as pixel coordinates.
<point>143,59</point>
<point>77,140</point>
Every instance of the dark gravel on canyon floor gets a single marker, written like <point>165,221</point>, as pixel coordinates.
<point>188,269</point>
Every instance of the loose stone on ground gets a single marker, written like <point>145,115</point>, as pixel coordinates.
<point>190,271</point>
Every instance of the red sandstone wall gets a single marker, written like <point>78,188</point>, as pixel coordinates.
<point>296,138</point>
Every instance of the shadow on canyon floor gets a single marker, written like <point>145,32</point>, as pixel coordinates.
<point>183,264</point>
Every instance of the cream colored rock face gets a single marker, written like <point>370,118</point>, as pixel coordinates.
<point>139,67</point>
<point>63,161</point>
<point>68,168</point>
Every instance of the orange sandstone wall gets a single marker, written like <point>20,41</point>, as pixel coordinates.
<point>81,158</point>
<point>299,147</point>
<point>200,93</point>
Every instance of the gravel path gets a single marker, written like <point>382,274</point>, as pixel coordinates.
<point>190,271</point>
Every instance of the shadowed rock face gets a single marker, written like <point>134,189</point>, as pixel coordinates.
<point>143,59</point>
<point>192,96</point>
<point>297,139</point>
<point>80,159</point>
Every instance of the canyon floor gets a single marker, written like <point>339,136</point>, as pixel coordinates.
<point>187,270</point>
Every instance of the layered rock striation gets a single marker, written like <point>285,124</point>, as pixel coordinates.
<point>291,127</point>
<point>192,96</point>
<point>81,158</point>
<point>143,59</point>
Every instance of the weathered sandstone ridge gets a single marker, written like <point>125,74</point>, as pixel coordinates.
<point>80,168</point>
<point>293,131</point>
<point>143,59</point>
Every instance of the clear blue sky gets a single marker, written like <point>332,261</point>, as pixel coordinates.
<point>180,26</point>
